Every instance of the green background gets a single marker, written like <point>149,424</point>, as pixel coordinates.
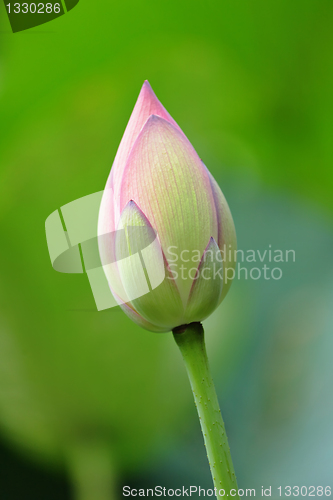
<point>88,397</point>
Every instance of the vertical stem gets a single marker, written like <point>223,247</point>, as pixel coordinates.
<point>92,472</point>
<point>190,340</point>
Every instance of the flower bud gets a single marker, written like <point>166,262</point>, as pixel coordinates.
<point>166,234</point>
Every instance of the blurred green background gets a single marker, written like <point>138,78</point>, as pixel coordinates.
<point>88,401</point>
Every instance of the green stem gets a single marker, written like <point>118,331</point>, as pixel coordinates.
<point>190,340</point>
<point>92,471</point>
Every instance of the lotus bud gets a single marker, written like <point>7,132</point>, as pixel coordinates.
<point>166,236</point>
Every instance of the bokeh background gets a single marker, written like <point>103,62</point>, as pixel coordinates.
<point>88,401</point>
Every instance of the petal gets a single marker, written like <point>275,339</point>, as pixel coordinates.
<point>144,272</point>
<point>106,215</point>
<point>106,244</point>
<point>147,104</point>
<point>110,267</point>
<point>134,316</point>
<point>207,287</point>
<point>167,179</point>
<point>227,240</point>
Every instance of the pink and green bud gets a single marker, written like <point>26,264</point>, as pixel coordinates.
<point>164,224</point>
